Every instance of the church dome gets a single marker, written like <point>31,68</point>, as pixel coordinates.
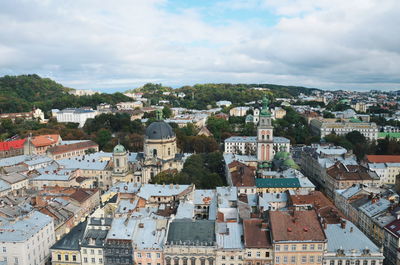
<point>282,155</point>
<point>119,148</point>
<point>159,130</point>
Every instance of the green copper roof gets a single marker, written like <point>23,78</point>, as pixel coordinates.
<point>290,163</point>
<point>265,109</point>
<point>119,148</point>
<point>278,183</point>
<point>354,120</point>
<point>389,134</point>
<point>282,155</point>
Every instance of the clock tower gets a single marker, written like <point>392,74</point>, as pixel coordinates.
<point>265,134</point>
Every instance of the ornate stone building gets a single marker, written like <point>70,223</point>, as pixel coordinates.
<point>265,132</point>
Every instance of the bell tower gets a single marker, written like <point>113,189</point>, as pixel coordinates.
<point>265,134</point>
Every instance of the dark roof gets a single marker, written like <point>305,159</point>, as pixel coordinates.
<point>71,240</point>
<point>159,130</point>
<point>59,149</point>
<point>97,235</point>
<point>189,232</point>
<point>241,174</point>
<point>277,183</point>
<point>394,228</point>
<point>296,226</point>
<point>339,171</point>
<point>256,236</point>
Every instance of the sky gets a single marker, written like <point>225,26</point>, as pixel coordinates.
<point>123,44</point>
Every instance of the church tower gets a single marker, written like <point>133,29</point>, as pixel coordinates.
<point>265,132</point>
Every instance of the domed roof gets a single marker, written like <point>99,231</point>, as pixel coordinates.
<point>159,130</point>
<point>282,155</point>
<point>119,148</point>
<point>290,163</point>
<point>265,109</point>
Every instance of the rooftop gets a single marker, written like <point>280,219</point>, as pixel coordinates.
<point>296,226</point>
<point>191,232</point>
<point>277,183</point>
<point>383,158</point>
<point>255,236</point>
<point>16,144</point>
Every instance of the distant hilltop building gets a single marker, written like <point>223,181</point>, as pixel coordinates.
<point>82,92</point>
<point>325,127</point>
<point>35,114</point>
<point>74,115</point>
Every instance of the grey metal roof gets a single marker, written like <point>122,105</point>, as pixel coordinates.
<point>159,130</point>
<point>189,232</point>
<point>71,240</point>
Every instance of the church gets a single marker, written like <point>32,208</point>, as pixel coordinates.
<point>160,153</point>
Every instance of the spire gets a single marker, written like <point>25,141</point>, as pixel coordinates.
<point>159,115</point>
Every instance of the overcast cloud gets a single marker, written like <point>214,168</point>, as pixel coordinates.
<point>123,44</point>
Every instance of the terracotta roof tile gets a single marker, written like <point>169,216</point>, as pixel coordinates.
<point>383,158</point>
<point>45,140</point>
<point>350,172</point>
<point>296,226</point>
<point>60,149</point>
<point>256,234</point>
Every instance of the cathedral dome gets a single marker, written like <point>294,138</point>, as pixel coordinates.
<point>159,130</point>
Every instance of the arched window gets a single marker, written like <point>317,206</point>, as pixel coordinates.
<point>117,162</point>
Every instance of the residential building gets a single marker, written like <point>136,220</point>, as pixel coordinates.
<point>257,243</point>
<point>26,239</point>
<point>230,249</point>
<point>38,145</point>
<point>348,245</point>
<point>239,111</point>
<point>247,145</point>
<point>190,242</point>
<point>72,149</point>
<point>297,237</point>
<point>35,114</point>
<point>392,242</point>
<point>129,105</point>
<point>327,126</point>
<point>387,168</point>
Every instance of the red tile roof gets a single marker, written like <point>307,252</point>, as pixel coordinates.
<point>296,226</point>
<point>255,235</point>
<point>324,207</point>
<point>383,158</point>
<point>45,140</point>
<point>17,144</point>
<point>242,175</point>
<point>350,172</point>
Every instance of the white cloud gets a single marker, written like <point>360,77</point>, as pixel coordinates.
<point>110,44</point>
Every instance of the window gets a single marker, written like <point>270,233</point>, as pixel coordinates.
<point>73,257</point>
<point>148,255</point>
<point>293,259</point>
<point>266,254</point>
<point>66,257</point>
<point>277,261</point>
<point>319,259</point>
<point>85,260</point>
<point>285,259</point>
<point>258,254</point>
<point>249,254</point>
<point>139,255</point>
<point>15,260</point>
<point>332,262</point>
<point>158,255</point>
<point>304,247</point>
<point>286,247</point>
<point>294,247</point>
<point>100,260</point>
<point>59,256</point>
<point>319,246</point>
<point>100,252</point>
<point>357,262</point>
<point>277,248</point>
<point>4,249</point>
<point>312,259</point>
<point>223,257</point>
<point>373,262</point>
<point>340,262</point>
<point>303,259</point>
<point>312,247</point>
<point>84,251</point>
<point>93,260</point>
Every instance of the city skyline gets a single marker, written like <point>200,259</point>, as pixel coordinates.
<point>108,47</point>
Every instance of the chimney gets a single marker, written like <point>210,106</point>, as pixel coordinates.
<point>351,229</point>
<point>343,224</point>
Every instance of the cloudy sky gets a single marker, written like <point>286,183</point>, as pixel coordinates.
<point>120,44</point>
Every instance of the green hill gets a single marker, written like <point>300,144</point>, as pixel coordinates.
<point>21,93</point>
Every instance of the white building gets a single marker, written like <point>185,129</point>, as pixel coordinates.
<point>223,103</point>
<point>27,239</point>
<point>75,115</point>
<point>327,126</point>
<point>239,111</point>
<point>129,105</point>
<point>248,144</point>
<point>82,92</point>
<point>387,172</point>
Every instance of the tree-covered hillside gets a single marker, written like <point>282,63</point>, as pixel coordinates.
<point>21,93</point>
